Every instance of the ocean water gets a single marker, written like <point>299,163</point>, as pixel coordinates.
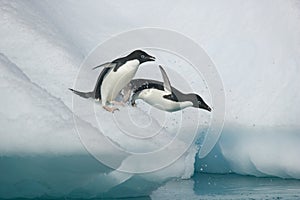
<point>224,186</point>
<point>228,186</point>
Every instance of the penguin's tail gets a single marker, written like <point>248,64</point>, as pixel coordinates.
<point>83,94</point>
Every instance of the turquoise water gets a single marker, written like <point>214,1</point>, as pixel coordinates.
<point>228,186</point>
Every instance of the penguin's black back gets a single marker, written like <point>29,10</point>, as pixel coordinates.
<point>158,86</point>
<point>149,86</point>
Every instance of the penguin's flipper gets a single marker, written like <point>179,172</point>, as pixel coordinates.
<point>167,84</point>
<point>82,94</point>
<point>105,65</point>
<point>133,98</point>
<point>97,89</point>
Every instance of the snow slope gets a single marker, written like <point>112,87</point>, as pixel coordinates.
<point>42,155</point>
<point>41,152</point>
<point>254,44</point>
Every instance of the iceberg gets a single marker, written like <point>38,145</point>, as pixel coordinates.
<point>42,155</point>
<point>48,148</point>
<point>258,151</point>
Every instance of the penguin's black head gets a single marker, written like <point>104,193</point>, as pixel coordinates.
<point>198,102</point>
<point>141,56</point>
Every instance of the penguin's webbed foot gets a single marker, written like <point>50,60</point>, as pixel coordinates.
<point>110,109</point>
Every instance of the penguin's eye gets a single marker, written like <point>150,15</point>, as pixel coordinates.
<point>142,56</point>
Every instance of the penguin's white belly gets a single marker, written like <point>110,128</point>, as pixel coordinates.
<point>114,82</point>
<point>155,98</point>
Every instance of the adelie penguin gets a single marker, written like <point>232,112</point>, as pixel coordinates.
<point>115,76</point>
<point>163,96</point>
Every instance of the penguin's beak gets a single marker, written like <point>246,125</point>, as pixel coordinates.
<point>150,58</point>
<point>206,107</point>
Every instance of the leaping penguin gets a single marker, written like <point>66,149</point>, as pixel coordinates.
<point>163,96</point>
<point>114,77</point>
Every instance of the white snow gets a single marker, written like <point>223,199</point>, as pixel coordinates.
<point>41,153</point>
<point>254,44</point>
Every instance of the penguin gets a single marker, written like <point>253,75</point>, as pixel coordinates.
<point>114,77</point>
<point>163,96</point>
